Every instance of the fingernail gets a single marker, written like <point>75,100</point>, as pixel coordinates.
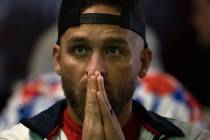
<point>100,78</point>
<point>97,73</point>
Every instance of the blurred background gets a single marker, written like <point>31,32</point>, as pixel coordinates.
<point>22,22</point>
<point>182,28</point>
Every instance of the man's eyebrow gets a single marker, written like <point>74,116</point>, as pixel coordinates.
<point>77,40</point>
<point>116,40</point>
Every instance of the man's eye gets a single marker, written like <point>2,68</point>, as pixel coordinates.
<point>113,51</point>
<point>80,50</point>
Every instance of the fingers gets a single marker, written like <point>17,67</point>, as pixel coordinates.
<point>108,115</point>
<point>100,122</point>
<point>105,110</point>
<point>101,88</point>
<point>92,126</point>
<point>111,126</point>
<point>91,99</point>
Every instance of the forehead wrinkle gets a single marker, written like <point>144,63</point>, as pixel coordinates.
<point>115,40</point>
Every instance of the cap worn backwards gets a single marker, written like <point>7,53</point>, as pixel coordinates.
<point>132,16</point>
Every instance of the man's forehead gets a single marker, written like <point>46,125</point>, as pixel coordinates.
<point>101,33</point>
<point>99,30</point>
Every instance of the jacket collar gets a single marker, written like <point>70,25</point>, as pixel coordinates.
<point>156,124</point>
<point>45,122</point>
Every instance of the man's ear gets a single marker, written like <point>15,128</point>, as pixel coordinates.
<point>56,55</point>
<point>146,57</point>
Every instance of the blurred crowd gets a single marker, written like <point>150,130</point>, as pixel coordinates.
<point>178,33</point>
<point>21,24</point>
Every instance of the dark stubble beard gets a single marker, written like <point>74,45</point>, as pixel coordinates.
<point>76,98</point>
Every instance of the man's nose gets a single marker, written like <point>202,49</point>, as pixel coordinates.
<point>96,63</point>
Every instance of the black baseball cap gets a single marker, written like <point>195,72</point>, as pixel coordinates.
<point>132,15</point>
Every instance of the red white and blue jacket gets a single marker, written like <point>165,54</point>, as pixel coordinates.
<point>154,127</point>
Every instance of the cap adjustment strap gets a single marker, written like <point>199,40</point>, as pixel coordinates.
<point>100,18</point>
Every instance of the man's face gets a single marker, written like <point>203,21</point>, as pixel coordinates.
<point>113,51</point>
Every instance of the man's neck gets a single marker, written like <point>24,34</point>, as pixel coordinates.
<point>73,115</point>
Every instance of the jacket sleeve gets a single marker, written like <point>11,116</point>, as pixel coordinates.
<point>192,132</point>
<point>204,135</point>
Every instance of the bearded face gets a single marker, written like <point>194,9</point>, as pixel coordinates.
<point>113,51</point>
<point>76,95</point>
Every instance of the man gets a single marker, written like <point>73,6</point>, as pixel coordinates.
<point>100,53</point>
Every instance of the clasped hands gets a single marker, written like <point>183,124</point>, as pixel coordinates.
<point>100,122</point>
